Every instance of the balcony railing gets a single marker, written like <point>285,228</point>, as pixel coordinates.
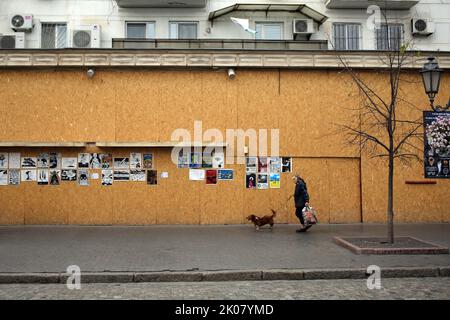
<point>218,44</point>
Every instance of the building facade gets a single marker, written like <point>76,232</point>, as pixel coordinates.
<point>120,78</point>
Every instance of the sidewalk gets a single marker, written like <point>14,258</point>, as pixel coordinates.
<point>50,249</point>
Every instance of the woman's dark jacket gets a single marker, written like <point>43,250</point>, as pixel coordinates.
<point>301,194</point>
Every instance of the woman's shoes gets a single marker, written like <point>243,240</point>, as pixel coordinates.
<point>304,229</point>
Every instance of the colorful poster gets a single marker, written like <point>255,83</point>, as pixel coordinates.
<point>262,165</point>
<point>137,175</point>
<point>14,160</point>
<point>196,174</point>
<point>3,177</point>
<point>83,160</point>
<point>55,177</point>
<point>286,164</point>
<point>195,160</point>
<point>83,177</point>
<point>147,160</point>
<point>274,165</point>
<point>218,160</point>
<point>121,175</point>
<point>263,181</point>
<point>152,177</point>
<point>437,144</point>
<point>107,177</point>
<point>207,161</point>
<point>69,175</point>
<point>55,160</point>
<point>43,160</point>
<point>14,177</point>
<point>183,160</point>
<point>29,162</point>
<point>4,160</point>
<point>42,176</point>
<point>225,174</point>
<point>95,161</point>
<point>121,163</point>
<point>135,160</point>
<point>28,175</point>
<point>275,180</point>
<point>69,163</point>
<point>211,176</point>
<point>106,160</point>
<point>250,180</point>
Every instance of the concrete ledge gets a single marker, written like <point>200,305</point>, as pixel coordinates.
<point>335,274</point>
<point>231,275</point>
<point>413,272</point>
<point>227,275</point>
<point>283,275</point>
<point>29,278</point>
<point>102,277</point>
<point>167,276</point>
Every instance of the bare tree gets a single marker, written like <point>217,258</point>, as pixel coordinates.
<point>379,128</point>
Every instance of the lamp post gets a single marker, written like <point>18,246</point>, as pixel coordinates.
<point>431,76</point>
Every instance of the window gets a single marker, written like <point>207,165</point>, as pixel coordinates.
<point>389,37</point>
<point>346,36</point>
<point>269,30</point>
<point>140,30</point>
<point>53,35</point>
<point>183,30</point>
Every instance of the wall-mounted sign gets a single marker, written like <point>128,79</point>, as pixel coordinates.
<point>437,144</point>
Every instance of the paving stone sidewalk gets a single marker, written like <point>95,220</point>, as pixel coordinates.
<point>200,248</point>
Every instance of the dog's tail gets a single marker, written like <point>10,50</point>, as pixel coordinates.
<point>274,213</point>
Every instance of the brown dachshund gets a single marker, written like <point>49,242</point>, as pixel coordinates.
<point>261,221</point>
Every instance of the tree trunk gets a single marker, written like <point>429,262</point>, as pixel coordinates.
<point>390,211</point>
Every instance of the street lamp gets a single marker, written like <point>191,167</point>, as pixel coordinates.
<point>431,76</point>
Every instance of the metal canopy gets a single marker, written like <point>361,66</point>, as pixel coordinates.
<point>299,8</point>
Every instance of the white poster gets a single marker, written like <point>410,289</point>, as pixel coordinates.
<point>107,177</point>
<point>96,161</point>
<point>69,163</point>
<point>218,160</point>
<point>137,175</point>
<point>196,174</point>
<point>43,160</point>
<point>29,162</point>
<point>14,160</point>
<point>55,160</point>
<point>83,177</point>
<point>135,160</point>
<point>42,176</point>
<point>14,177</point>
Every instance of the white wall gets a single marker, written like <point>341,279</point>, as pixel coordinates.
<point>112,19</point>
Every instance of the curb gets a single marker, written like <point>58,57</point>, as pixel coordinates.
<point>223,275</point>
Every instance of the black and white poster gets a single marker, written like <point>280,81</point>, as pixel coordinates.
<point>43,160</point>
<point>28,175</point>
<point>84,160</point>
<point>137,175</point>
<point>107,177</point>
<point>437,144</point>
<point>121,175</point>
<point>286,164</point>
<point>83,177</point>
<point>3,177</point>
<point>95,161</point>
<point>69,175</point>
<point>135,160</point>
<point>14,177</point>
<point>29,162</point>
<point>55,160</point>
<point>4,160</point>
<point>42,176</point>
<point>14,160</point>
<point>121,163</point>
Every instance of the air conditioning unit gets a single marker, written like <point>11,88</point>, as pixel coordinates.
<point>303,26</point>
<point>422,27</point>
<point>12,41</point>
<point>21,22</point>
<point>85,36</point>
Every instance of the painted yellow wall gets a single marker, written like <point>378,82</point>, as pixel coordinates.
<point>147,105</point>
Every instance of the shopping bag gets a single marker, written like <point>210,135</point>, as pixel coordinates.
<point>309,216</point>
